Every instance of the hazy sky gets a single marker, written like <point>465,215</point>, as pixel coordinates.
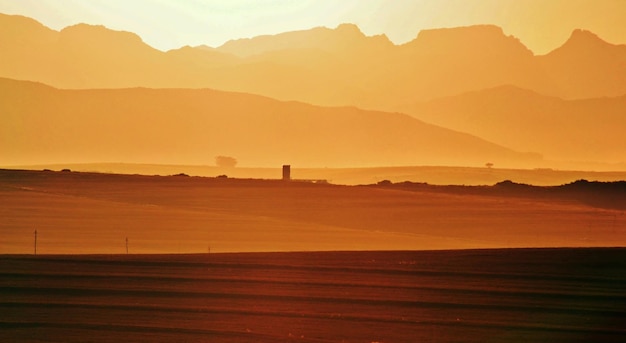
<point>542,25</point>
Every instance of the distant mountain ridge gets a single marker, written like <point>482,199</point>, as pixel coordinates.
<point>340,66</point>
<point>345,36</point>
<point>470,79</point>
<point>587,67</point>
<point>41,124</point>
<point>574,130</point>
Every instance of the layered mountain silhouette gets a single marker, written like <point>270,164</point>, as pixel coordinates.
<point>340,66</point>
<point>576,130</point>
<point>566,105</point>
<point>41,124</point>
<point>586,67</point>
<point>346,38</point>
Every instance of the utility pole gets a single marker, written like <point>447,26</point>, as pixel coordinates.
<point>35,241</point>
<point>126,245</point>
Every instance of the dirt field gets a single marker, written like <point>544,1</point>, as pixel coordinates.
<point>87,213</point>
<point>510,295</point>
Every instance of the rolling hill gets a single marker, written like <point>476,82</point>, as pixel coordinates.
<point>41,124</point>
<point>574,130</point>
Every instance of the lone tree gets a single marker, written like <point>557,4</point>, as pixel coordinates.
<point>225,161</point>
<point>489,165</point>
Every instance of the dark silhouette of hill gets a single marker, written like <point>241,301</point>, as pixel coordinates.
<point>609,195</point>
<point>339,66</point>
<point>577,130</point>
<point>192,126</point>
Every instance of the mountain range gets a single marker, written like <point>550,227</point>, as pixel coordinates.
<point>340,66</point>
<point>566,105</point>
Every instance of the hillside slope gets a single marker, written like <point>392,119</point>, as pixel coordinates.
<point>183,126</point>
<point>575,130</point>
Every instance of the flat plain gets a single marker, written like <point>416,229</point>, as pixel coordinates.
<point>494,295</point>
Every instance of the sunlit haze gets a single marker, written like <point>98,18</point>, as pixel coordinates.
<point>312,170</point>
<point>542,25</point>
<point>467,67</point>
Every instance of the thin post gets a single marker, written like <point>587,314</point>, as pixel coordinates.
<point>126,245</point>
<point>35,241</point>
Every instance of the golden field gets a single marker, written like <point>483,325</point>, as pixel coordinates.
<point>80,213</point>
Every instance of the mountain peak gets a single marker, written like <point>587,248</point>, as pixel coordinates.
<point>584,42</point>
<point>585,38</point>
<point>22,29</point>
<point>468,38</point>
<point>353,33</point>
<point>96,33</point>
<point>343,36</point>
<point>10,21</point>
<point>474,30</point>
<point>583,34</point>
<point>349,28</point>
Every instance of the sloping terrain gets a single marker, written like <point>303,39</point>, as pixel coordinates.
<point>573,130</point>
<point>95,213</point>
<point>585,66</point>
<point>41,124</point>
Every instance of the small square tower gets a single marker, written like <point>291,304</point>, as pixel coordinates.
<point>286,172</point>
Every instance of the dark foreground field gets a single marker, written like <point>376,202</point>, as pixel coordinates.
<point>507,295</point>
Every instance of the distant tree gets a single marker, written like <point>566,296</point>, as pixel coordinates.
<point>489,165</point>
<point>225,161</point>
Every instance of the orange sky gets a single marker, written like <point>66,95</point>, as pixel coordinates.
<point>542,25</point>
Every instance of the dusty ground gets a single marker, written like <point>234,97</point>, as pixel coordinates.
<point>95,213</point>
<point>511,295</point>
